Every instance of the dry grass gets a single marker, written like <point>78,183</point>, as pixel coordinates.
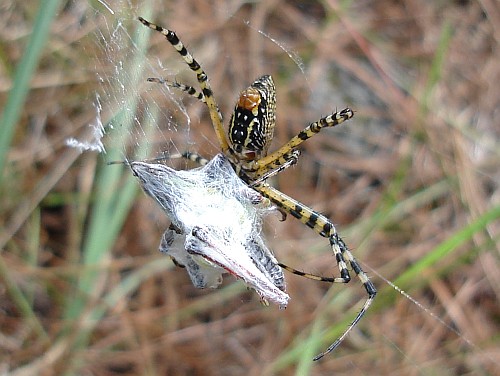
<point>411,182</point>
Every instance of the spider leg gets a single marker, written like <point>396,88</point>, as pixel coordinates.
<point>185,88</point>
<point>308,275</point>
<point>276,167</point>
<point>324,227</point>
<point>194,157</point>
<point>313,128</point>
<point>202,78</point>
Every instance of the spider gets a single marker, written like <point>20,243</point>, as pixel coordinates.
<point>246,145</point>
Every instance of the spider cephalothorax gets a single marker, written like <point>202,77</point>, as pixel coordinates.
<point>246,147</point>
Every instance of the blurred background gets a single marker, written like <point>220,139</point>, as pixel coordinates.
<point>411,182</point>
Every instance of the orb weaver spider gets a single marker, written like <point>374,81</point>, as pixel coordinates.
<point>249,136</point>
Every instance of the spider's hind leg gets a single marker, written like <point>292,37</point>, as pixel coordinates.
<point>343,255</point>
<point>324,227</point>
<point>314,277</point>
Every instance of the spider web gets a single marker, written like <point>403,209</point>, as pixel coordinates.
<point>128,114</point>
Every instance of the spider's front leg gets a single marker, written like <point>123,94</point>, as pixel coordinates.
<point>324,227</point>
<point>205,94</point>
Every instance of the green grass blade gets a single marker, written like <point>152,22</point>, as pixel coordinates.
<point>447,247</point>
<point>23,75</point>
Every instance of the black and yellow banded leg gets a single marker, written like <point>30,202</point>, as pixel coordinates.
<point>308,275</point>
<point>202,78</point>
<point>193,157</point>
<point>324,227</point>
<point>275,167</point>
<point>185,88</point>
<point>370,290</point>
<point>308,132</point>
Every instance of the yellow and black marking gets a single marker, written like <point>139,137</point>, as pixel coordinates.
<point>195,157</point>
<point>307,275</point>
<point>309,217</point>
<point>251,127</point>
<point>275,167</point>
<point>250,133</point>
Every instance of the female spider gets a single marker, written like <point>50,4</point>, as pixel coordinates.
<point>246,145</point>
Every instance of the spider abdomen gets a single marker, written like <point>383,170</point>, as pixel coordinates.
<point>252,123</point>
